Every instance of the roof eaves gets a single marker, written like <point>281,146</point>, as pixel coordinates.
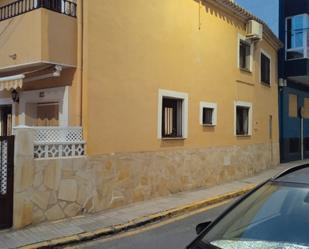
<point>246,16</point>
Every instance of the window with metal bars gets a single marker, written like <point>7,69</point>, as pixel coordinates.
<point>171,117</point>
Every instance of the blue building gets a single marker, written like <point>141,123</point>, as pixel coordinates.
<point>294,79</point>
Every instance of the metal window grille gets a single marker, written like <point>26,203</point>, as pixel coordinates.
<point>172,117</point>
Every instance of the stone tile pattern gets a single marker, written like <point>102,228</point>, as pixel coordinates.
<point>48,190</point>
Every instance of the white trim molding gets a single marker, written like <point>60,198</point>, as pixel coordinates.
<point>214,114</point>
<point>243,104</point>
<point>176,95</point>
<point>243,38</point>
<point>262,51</point>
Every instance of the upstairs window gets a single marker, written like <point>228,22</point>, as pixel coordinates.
<point>296,37</point>
<point>265,69</point>
<point>244,55</point>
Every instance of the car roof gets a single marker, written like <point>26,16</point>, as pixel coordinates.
<point>298,174</point>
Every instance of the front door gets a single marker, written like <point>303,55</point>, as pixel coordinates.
<point>48,114</point>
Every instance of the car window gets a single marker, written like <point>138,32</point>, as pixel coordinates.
<point>268,209</point>
<point>276,216</point>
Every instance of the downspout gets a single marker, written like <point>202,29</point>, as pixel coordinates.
<point>81,59</point>
<point>83,89</point>
<point>199,14</point>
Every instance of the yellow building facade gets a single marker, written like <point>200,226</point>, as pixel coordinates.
<point>168,97</point>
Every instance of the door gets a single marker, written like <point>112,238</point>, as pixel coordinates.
<point>48,114</point>
<point>6,181</point>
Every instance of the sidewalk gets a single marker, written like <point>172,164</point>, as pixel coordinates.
<point>110,222</point>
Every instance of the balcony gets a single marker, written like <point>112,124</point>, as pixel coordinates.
<point>37,32</point>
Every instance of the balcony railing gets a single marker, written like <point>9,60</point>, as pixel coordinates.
<point>55,142</point>
<point>20,7</point>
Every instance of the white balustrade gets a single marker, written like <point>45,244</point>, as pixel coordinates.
<point>55,142</point>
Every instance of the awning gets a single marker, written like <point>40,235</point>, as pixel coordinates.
<point>11,82</point>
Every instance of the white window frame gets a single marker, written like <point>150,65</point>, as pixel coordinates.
<point>214,114</point>
<point>57,94</point>
<point>243,104</point>
<point>305,41</point>
<point>243,38</point>
<point>262,51</point>
<point>177,95</point>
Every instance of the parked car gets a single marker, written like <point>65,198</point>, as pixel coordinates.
<point>275,215</point>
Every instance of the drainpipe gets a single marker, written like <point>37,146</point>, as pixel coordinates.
<point>82,74</point>
<point>79,71</point>
<point>81,30</point>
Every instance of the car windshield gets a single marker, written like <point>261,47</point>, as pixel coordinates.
<point>275,216</point>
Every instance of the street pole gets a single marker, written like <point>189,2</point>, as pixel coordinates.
<point>302,137</point>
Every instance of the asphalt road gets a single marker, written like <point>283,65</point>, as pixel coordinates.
<point>173,234</point>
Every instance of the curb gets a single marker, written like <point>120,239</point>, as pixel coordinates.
<point>138,222</point>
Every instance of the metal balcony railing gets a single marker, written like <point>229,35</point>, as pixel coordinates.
<point>20,7</point>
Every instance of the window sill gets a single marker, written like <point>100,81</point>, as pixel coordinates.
<point>266,84</point>
<point>208,125</point>
<point>172,138</point>
<point>240,136</point>
<point>245,70</point>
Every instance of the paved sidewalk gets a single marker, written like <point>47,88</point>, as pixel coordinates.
<point>116,220</point>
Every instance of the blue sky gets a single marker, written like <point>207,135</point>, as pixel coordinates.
<point>267,10</point>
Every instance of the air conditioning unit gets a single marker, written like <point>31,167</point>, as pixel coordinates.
<point>254,30</point>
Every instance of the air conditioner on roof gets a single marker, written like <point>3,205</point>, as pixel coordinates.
<point>254,30</point>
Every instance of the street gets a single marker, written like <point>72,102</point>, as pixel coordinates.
<point>172,234</point>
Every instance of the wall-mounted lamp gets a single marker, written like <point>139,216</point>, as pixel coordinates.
<point>15,96</point>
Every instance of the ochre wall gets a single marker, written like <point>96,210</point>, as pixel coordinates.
<point>5,2</point>
<point>36,36</point>
<point>134,48</point>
